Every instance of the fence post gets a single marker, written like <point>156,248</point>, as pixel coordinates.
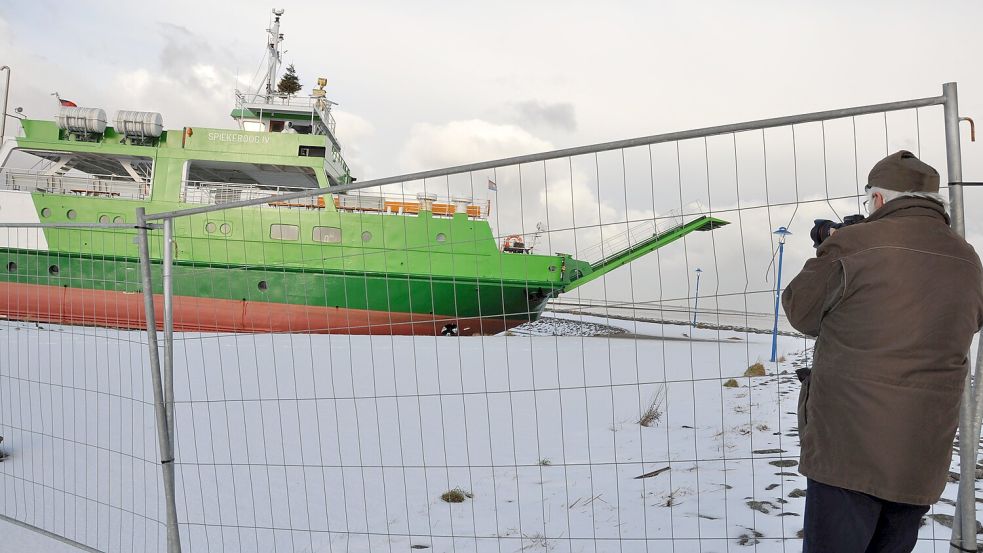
<point>964,528</point>
<point>168,282</point>
<point>6,95</point>
<point>163,431</point>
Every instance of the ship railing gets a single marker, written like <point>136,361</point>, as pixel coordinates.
<point>313,104</point>
<point>639,231</point>
<point>106,186</point>
<point>403,204</point>
<point>214,193</point>
<point>622,241</point>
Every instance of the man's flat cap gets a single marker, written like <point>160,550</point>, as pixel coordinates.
<point>903,172</point>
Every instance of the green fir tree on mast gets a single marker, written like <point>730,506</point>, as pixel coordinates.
<point>290,82</point>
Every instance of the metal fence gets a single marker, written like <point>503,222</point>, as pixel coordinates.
<point>638,411</point>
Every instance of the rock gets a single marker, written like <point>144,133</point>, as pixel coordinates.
<point>771,487</point>
<point>768,451</point>
<point>761,506</point>
<point>730,383</point>
<point>946,520</point>
<point>784,463</point>
<point>749,539</point>
<point>797,493</point>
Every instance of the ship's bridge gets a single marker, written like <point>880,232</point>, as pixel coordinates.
<point>289,114</point>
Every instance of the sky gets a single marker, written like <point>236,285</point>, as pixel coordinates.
<point>426,84</point>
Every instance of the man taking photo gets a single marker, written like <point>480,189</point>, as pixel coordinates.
<point>894,302</point>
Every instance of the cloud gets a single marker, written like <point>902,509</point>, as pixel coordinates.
<point>458,142</point>
<point>353,131</point>
<point>555,116</point>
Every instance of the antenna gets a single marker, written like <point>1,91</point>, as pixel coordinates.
<point>273,49</point>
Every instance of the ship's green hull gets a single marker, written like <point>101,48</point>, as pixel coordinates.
<point>80,289</point>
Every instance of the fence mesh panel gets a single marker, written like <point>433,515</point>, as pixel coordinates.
<point>430,365</point>
<point>79,453</point>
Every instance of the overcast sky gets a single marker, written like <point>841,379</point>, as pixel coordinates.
<point>567,73</point>
<point>427,84</point>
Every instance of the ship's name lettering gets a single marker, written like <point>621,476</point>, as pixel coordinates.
<point>231,137</point>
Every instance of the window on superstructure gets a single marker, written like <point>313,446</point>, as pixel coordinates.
<point>78,173</point>
<point>215,182</point>
<point>284,232</point>
<point>329,235</point>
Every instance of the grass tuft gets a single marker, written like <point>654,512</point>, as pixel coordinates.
<point>756,369</point>
<point>653,413</point>
<point>457,495</point>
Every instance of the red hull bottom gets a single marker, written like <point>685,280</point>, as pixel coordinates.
<point>74,306</point>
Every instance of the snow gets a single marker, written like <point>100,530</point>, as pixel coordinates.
<point>337,443</point>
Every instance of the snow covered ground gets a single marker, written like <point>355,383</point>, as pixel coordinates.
<point>337,443</point>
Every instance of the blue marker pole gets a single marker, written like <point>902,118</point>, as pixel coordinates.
<point>696,303</point>
<point>782,232</point>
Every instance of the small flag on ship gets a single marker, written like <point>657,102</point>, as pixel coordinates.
<point>67,103</point>
<point>492,186</point>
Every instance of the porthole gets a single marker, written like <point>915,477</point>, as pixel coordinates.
<point>263,286</point>
<point>53,270</point>
<point>441,237</point>
<point>104,219</point>
<point>45,212</point>
<point>552,268</point>
<point>225,228</point>
<point>11,267</point>
<point>210,227</point>
<point>366,236</point>
<point>71,214</point>
<point>118,219</point>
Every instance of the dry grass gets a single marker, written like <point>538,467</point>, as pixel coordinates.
<point>730,383</point>
<point>671,499</point>
<point>757,369</point>
<point>457,495</point>
<point>653,413</point>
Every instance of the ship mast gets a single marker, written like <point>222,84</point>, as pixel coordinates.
<point>273,51</point>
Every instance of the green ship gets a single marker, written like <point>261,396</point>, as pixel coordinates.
<point>353,263</point>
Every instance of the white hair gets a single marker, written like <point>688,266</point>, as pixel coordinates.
<point>889,195</point>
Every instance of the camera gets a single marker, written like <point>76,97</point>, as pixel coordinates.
<point>824,227</point>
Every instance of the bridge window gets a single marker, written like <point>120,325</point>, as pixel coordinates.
<point>216,182</point>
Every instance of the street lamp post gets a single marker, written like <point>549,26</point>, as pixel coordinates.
<point>696,302</point>
<point>782,232</point>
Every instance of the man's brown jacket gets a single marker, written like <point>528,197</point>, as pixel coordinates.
<point>894,301</point>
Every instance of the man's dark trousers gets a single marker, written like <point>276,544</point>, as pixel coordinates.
<point>845,521</point>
